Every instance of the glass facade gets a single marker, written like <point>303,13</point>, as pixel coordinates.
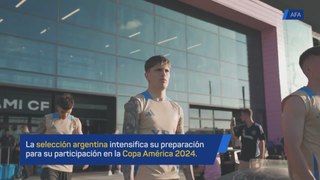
<point>210,118</point>
<point>296,31</point>
<point>101,47</point>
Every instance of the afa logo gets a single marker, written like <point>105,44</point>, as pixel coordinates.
<point>293,14</point>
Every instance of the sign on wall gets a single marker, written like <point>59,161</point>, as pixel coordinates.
<point>25,103</point>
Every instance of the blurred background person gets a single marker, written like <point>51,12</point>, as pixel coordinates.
<point>252,138</point>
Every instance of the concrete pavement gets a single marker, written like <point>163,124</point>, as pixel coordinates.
<point>95,176</point>
<point>88,176</point>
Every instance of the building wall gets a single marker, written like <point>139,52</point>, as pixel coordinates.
<point>268,20</point>
<point>298,38</point>
<point>100,48</point>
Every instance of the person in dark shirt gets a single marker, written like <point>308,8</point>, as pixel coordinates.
<point>252,138</point>
<point>7,142</point>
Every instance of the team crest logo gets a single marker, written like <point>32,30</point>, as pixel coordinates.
<point>149,114</point>
<point>254,132</point>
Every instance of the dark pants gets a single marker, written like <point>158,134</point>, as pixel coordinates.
<point>51,174</point>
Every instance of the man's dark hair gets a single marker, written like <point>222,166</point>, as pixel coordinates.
<point>65,101</point>
<point>246,111</point>
<point>313,51</point>
<point>154,60</point>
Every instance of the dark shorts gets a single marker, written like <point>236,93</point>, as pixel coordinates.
<point>51,174</point>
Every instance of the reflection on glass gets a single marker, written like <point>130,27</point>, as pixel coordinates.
<point>15,21</point>
<point>296,31</point>
<point>242,54</point>
<point>85,38</point>
<point>168,13</point>
<point>130,90</point>
<point>90,86</point>
<point>202,64</point>
<point>28,79</point>
<point>244,84</point>
<point>228,49</point>
<point>243,73</point>
<point>86,65</point>
<point>175,38</point>
<point>121,101</point>
<point>131,72</point>
<point>20,3</point>
<point>141,5</point>
<point>43,8</point>
<point>209,63</point>
<point>178,81</point>
<point>199,83</point>
<point>202,42</point>
<point>194,46</point>
<point>232,103</point>
<point>134,49</point>
<point>222,124</point>
<point>70,14</point>
<point>199,99</point>
<point>241,37</point>
<point>228,33</point>
<point>216,101</point>
<point>218,114</point>
<point>194,123</point>
<point>178,96</point>
<point>135,24</point>
<point>193,112</point>
<point>167,40</point>
<point>44,30</point>
<point>100,15</point>
<point>229,70</point>
<point>177,58</point>
<point>16,53</point>
<point>230,88</point>
<point>206,123</point>
<point>134,34</point>
<point>202,24</point>
<point>206,114</point>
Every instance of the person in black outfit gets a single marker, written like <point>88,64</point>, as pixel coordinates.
<point>252,138</point>
<point>7,142</point>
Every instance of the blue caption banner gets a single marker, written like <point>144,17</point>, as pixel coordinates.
<point>121,149</point>
<point>293,14</point>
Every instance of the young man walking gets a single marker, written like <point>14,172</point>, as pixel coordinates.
<point>60,122</point>
<point>151,112</point>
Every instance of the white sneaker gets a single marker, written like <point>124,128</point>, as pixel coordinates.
<point>117,172</point>
<point>109,173</point>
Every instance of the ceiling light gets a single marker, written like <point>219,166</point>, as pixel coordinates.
<point>196,45</point>
<point>167,40</point>
<point>20,3</point>
<point>135,51</point>
<point>43,31</point>
<point>135,34</point>
<point>70,14</point>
